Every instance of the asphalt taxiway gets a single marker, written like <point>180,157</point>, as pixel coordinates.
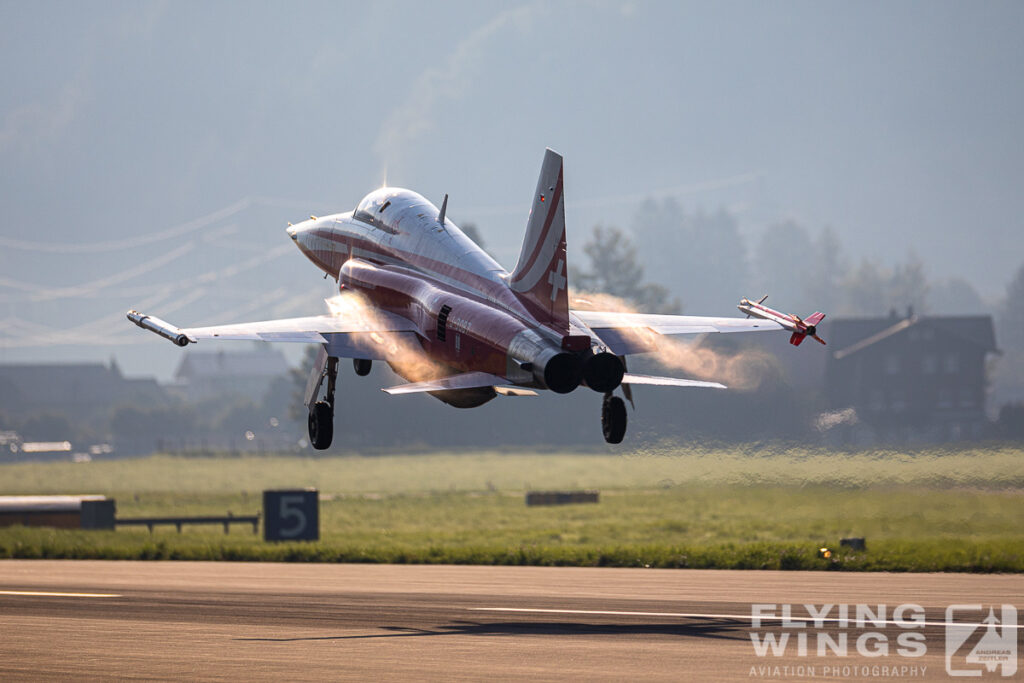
<point>229,621</point>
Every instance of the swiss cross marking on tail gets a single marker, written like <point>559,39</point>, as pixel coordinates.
<point>557,280</point>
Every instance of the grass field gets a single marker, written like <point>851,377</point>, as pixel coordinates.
<point>955,511</point>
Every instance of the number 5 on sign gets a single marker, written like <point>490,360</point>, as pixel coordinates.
<point>291,515</point>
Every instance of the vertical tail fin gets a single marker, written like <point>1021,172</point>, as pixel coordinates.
<point>540,278</point>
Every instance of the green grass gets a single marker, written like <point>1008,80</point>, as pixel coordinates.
<point>958,511</point>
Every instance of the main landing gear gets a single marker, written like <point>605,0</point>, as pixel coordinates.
<point>321,425</point>
<point>321,413</point>
<point>613,408</point>
<point>613,418</point>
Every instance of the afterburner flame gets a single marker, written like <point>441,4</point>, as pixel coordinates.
<point>744,370</point>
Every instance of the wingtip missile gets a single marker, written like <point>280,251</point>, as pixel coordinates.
<point>801,328</point>
<point>160,327</point>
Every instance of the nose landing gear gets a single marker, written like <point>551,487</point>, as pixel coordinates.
<point>362,366</point>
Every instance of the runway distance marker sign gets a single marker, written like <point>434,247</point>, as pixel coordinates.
<point>291,515</point>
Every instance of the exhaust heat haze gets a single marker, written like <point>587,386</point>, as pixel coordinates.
<point>405,358</point>
<point>744,370</point>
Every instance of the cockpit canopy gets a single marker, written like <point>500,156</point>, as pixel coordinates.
<point>380,207</point>
<point>372,204</point>
<point>405,213</point>
<point>373,207</point>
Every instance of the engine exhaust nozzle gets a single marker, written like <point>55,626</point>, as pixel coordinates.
<point>561,373</point>
<point>603,372</point>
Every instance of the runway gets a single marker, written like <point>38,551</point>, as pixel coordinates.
<point>227,621</point>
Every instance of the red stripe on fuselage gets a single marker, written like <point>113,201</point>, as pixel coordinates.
<point>494,292</point>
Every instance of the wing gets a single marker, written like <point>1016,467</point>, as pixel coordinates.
<point>626,333</point>
<point>346,334</point>
<point>310,329</point>
<point>673,324</point>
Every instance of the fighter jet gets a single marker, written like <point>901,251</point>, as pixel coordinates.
<point>418,294</point>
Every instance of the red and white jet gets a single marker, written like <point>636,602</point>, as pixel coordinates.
<point>418,294</point>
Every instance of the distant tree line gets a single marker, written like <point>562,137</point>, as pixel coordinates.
<point>702,259</point>
<point>219,420</point>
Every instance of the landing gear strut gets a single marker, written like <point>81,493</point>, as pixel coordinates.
<point>613,418</point>
<point>321,413</point>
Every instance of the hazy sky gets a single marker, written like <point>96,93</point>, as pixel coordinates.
<point>896,123</point>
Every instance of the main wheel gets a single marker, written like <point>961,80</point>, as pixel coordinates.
<point>321,425</point>
<point>362,366</point>
<point>613,419</point>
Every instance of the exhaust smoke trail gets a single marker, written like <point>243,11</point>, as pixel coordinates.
<point>401,349</point>
<point>744,370</point>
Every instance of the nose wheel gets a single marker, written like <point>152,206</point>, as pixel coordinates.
<point>613,418</point>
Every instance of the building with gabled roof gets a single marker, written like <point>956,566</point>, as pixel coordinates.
<point>912,379</point>
<point>81,389</point>
<point>250,372</point>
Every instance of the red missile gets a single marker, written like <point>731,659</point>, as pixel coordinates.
<point>805,327</point>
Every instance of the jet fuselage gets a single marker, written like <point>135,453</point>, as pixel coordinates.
<point>394,250</point>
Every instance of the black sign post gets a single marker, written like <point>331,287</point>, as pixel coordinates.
<point>291,515</point>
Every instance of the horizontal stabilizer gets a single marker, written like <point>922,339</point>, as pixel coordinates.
<point>509,391</point>
<point>630,378</point>
<point>468,380</point>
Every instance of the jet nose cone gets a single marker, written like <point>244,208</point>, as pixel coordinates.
<point>300,230</point>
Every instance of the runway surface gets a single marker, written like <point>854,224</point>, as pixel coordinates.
<point>213,621</point>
